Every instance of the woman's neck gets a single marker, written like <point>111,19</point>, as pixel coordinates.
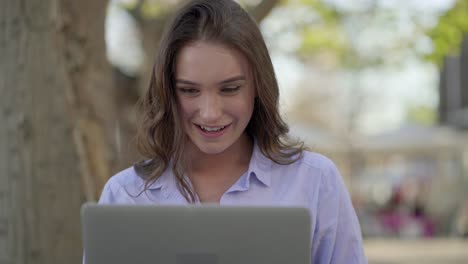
<point>212,175</point>
<point>235,156</point>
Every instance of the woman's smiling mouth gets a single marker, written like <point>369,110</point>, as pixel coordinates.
<point>212,131</point>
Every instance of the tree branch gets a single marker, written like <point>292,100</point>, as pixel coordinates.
<point>260,11</point>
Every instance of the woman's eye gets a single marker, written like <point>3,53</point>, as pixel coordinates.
<point>230,89</point>
<point>188,90</point>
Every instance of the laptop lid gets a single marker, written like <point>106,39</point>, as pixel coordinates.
<point>208,234</point>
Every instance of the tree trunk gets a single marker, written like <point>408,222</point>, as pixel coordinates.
<point>91,95</point>
<point>55,92</point>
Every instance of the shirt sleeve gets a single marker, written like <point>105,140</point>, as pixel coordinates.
<point>337,235</point>
<point>107,194</point>
<point>114,193</point>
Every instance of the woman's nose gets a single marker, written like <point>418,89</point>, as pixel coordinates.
<point>210,109</point>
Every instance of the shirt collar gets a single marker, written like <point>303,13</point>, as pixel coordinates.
<point>259,167</point>
<point>163,181</point>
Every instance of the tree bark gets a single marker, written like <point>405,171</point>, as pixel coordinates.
<point>55,92</point>
<point>91,96</point>
<point>263,9</point>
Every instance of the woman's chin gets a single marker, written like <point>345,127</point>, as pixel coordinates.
<point>212,149</point>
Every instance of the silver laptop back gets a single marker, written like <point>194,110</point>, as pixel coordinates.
<point>195,234</point>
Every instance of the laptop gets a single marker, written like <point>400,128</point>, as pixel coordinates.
<point>195,234</point>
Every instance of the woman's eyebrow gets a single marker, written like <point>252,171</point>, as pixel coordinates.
<point>186,82</point>
<point>232,79</point>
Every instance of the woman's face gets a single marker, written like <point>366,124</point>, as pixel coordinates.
<point>215,95</point>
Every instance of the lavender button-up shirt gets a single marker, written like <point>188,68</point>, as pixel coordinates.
<point>312,182</point>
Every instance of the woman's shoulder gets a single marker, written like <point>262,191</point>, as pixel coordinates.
<point>125,178</point>
<point>306,162</point>
<point>315,160</point>
<point>330,177</point>
<point>118,188</point>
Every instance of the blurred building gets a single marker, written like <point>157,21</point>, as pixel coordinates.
<point>453,89</point>
<point>453,111</point>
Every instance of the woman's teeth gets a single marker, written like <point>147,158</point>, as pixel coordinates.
<point>212,129</point>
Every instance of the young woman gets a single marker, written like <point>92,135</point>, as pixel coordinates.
<point>211,132</point>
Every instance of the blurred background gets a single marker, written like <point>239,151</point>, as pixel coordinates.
<point>379,86</point>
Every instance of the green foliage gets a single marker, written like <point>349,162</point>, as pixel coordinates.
<point>328,40</point>
<point>424,115</point>
<point>148,9</point>
<point>244,3</point>
<point>448,34</point>
<point>129,5</point>
<point>328,37</point>
<point>325,37</point>
<point>329,15</point>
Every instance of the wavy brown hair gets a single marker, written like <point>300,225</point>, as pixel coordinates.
<point>161,138</point>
